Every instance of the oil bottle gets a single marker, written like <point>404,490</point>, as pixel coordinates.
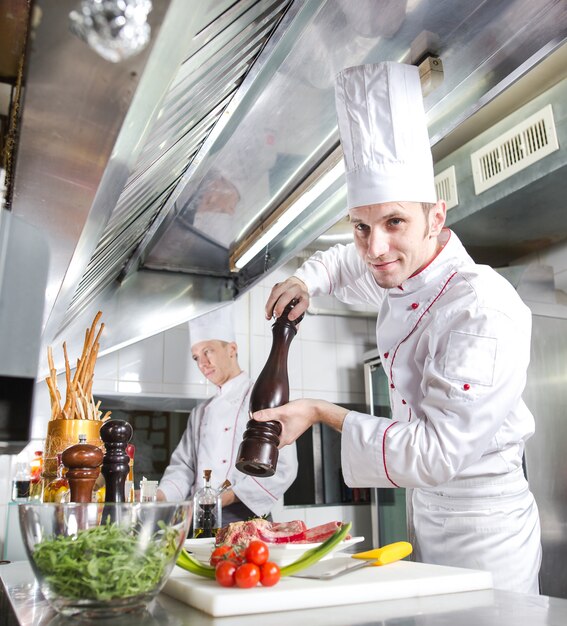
<point>207,509</point>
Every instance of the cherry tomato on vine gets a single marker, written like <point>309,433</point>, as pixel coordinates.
<point>225,573</point>
<point>247,575</point>
<point>257,552</point>
<point>269,574</point>
<point>225,553</point>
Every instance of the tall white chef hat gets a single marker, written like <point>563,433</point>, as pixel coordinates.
<point>218,324</point>
<point>383,133</point>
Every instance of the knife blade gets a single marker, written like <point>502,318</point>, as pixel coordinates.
<point>337,566</point>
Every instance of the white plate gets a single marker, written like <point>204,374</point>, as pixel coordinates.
<point>280,553</point>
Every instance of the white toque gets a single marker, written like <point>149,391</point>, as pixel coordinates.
<point>218,324</point>
<point>383,133</point>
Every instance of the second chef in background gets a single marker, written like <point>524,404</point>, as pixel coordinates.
<point>215,428</point>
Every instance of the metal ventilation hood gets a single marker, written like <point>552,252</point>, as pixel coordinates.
<point>146,175</point>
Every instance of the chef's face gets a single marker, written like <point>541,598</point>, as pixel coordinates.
<point>396,239</point>
<point>217,360</point>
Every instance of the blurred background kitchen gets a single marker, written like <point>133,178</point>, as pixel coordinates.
<point>198,164</point>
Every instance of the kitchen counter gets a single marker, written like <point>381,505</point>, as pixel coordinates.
<point>21,604</point>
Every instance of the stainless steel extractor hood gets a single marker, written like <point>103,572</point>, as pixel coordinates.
<point>148,174</point>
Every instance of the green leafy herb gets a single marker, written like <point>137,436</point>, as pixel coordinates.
<point>105,562</point>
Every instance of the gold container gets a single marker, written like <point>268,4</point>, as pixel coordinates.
<point>63,433</point>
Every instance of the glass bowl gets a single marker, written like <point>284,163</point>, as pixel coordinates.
<point>100,559</point>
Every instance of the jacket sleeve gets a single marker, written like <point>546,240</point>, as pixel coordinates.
<point>470,412</point>
<point>261,494</point>
<point>339,271</point>
<point>179,476</point>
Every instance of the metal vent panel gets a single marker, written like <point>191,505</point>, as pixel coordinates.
<point>446,187</point>
<point>524,144</point>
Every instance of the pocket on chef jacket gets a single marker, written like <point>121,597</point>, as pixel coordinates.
<point>470,358</point>
<point>491,523</point>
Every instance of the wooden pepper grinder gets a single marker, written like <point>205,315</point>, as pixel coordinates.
<point>116,463</point>
<point>82,461</point>
<point>258,452</point>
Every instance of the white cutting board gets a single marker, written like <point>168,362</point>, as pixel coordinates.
<point>403,579</point>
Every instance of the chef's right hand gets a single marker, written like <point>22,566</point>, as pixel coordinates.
<point>283,293</point>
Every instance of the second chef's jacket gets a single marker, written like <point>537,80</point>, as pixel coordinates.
<point>211,441</point>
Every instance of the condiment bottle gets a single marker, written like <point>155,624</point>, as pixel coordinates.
<point>258,452</point>
<point>36,482</point>
<point>57,490</point>
<point>21,483</point>
<point>83,461</point>
<point>116,463</point>
<point>207,509</point>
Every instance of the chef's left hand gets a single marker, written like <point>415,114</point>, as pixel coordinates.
<point>299,415</point>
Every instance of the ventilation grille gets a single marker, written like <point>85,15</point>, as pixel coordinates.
<point>514,150</point>
<point>446,187</point>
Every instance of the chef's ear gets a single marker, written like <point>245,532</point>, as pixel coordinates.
<point>437,216</point>
<point>233,349</point>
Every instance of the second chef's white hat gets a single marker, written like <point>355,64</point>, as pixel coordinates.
<point>216,325</point>
<point>383,133</point>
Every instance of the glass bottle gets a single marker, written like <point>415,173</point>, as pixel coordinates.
<point>58,489</point>
<point>207,509</point>
<point>36,482</point>
<point>258,452</point>
<point>21,483</point>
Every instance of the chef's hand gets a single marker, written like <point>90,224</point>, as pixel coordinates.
<point>283,293</point>
<point>299,415</point>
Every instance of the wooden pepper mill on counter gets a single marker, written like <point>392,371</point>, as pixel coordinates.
<point>258,452</point>
<point>83,462</point>
<point>116,435</point>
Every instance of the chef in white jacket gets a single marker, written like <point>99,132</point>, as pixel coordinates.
<point>454,339</point>
<point>215,428</point>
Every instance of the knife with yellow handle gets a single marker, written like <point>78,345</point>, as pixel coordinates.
<point>387,554</point>
<point>325,570</point>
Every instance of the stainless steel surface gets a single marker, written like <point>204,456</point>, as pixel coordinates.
<point>22,605</point>
<point>232,104</point>
<point>546,458</point>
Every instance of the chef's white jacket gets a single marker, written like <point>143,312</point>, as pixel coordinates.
<point>211,441</point>
<point>454,341</point>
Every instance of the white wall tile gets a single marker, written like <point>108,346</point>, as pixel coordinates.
<point>177,359</point>
<point>319,364</point>
<point>353,330</point>
<point>318,328</point>
<point>350,370</point>
<point>242,314</point>
<point>106,367</point>
<point>142,361</point>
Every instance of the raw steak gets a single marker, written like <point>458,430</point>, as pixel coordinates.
<point>242,533</point>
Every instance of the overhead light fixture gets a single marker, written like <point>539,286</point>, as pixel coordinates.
<point>313,187</point>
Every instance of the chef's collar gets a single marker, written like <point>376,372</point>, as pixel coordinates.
<point>449,246</point>
<point>231,386</point>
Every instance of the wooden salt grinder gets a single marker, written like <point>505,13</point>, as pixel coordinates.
<point>116,463</point>
<point>258,452</point>
<point>82,461</point>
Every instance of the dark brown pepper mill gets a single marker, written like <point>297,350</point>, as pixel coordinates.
<point>83,462</point>
<point>258,452</point>
<point>116,463</point>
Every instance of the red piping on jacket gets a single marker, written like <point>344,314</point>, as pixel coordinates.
<point>392,365</point>
<point>384,454</point>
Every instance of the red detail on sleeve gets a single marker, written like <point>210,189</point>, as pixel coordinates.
<point>384,454</point>
<point>414,305</point>
<point>466,386</point>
